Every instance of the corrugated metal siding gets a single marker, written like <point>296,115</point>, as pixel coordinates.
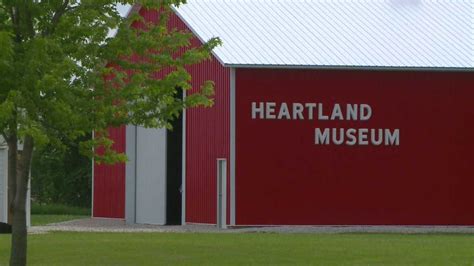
<point>109,182</point>
<point>283,178</point>
<point>207,135</point>
<point>376,33</point>
<point>207,138</point>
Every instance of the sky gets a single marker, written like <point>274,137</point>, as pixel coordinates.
<point>123,9</point>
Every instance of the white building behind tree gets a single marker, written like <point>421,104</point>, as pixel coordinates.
<point>4,184</point>
<point>3,181</point>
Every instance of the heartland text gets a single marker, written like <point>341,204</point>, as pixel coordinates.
<point>336,112</point>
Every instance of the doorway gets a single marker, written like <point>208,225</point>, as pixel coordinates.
<point>174,152</point>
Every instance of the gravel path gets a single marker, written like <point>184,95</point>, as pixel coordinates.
<point>113,225</point>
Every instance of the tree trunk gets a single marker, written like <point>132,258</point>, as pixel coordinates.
<point>19,230</point>
<point>12,172</point>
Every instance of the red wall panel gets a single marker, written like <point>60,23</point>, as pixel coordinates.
<point>282,177</point>
<point>109,182</point>
<point>207,138</point>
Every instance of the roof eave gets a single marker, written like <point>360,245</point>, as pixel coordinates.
<point>354,67</point>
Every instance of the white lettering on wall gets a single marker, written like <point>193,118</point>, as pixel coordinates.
<point>337,113</point>
<point>270,111</point>
<point>352,111</point>
<point>361,136</point>
<point>351,138</point>
<point>335,139</point>
<point>298,111</point>
<point>392,138</point>
<point>284,112</point>
<point>321,115</point>
<point>376,141</point>
<point>365,112</point>
<point>322,137</point>
<point>324,112</point>
<point>258,110</point>
<point>310,109</point>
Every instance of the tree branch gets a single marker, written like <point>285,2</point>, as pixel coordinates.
<point>56,17</point>
<point>29,22</point>
<point>15,15</point>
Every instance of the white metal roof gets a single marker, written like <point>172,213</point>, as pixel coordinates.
<point>337,33</point>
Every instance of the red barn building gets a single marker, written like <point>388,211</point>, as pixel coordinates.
<point>326,113</point>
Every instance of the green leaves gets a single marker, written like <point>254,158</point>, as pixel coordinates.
<point>6,68</point>
<point>62,76</point>
<point>6,51</point>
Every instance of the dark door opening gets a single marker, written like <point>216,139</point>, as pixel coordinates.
<point>174,154</point>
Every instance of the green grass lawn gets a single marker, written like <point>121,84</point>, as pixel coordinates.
<point>225,249</point>
<point>43,214</point>
<point>44,219</point>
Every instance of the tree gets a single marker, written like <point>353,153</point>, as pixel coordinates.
<point>61,176</point>
<point>62,77</point>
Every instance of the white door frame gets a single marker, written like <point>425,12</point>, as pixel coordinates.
<point>221,211</point>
